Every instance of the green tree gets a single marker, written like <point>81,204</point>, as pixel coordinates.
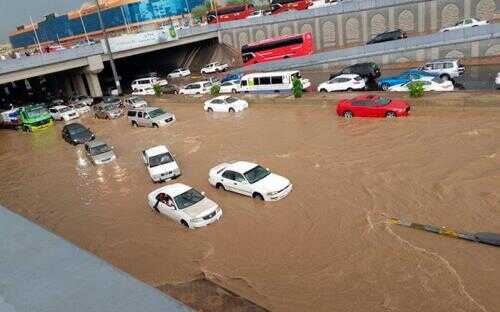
<point>416,88</point>
<point>297,87</point>
<point>157,89</point>
<point>215,90</point>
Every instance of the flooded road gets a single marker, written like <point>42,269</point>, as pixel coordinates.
<point>326,247</point>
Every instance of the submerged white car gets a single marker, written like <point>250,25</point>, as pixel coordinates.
<point>225,103</point>
<point>465,23</point>
<point>63,112</point>
<point>497,80</point>
<point>249,179</point>
<point>429,84</point>
<point>80,108</point>
<point>184,205</point>
<point>345,82</point>
<point>160,163</point>
<point>195,88</point>
<point>179,72</point>
<point>231,86</point>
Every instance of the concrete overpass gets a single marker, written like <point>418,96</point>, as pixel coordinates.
<point>345,25</point>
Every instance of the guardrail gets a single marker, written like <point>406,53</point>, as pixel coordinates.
<point>487,32</point>
<point>12,65</point>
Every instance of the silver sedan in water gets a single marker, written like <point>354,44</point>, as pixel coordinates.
<point>99,152</point>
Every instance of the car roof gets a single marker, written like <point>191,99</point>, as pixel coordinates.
<point>144,109</point>
<point>173,189</point>
<point>444,60</point>
<point>221,97</point>
<point>155,150</point>
<point>59,106</point>
<point>95,143</point>
<point>366,97</point>
<point>277,73</point>
<point>74,125</point>
<point>242,166</point>
<point>347,76</point>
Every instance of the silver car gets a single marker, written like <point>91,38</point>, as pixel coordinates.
<point>150,117</point>
<point>107,111</point>
<point>135,102</point>
<point>99,152</point>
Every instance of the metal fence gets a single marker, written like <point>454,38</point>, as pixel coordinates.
<point>468,35</point>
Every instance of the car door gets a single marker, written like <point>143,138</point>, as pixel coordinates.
<point>217,105</point>
<point>170,211</point>
<point>360,108</point>
<point>241,185</point>
<point>228,180</point>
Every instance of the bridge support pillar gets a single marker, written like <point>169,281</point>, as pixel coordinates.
<point>79,84</point>
<point>68,89</point>
<point>94,85</point>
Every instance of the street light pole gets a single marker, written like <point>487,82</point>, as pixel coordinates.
<point>83,26</point>
<point>111,60</point>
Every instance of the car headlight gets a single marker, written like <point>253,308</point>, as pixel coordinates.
<point>272,193</point>
<point>157,177</point>
<point>196,220</point>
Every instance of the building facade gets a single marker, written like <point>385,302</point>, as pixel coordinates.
<point>116,14</point>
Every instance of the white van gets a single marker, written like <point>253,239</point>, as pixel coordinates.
<point>272,81</point>
<point>147,83</point>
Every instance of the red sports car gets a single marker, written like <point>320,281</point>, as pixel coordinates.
<point>372,106</point>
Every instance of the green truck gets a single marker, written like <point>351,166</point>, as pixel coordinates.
<point>35,118</point>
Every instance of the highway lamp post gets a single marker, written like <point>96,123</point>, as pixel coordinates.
<point>83,26</point>
<point>108,48</point>
<point>36,36</point>
<point>217,19</point>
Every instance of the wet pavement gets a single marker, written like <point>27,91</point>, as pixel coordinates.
<point>326,247</point>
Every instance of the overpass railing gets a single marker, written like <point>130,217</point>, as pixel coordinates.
<point>487,32</point>
<point>12,65</point>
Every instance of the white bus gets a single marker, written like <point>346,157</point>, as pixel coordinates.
<point>271,82</point>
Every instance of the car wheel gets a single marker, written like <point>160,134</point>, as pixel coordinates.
<point>183,222</point>
<point>323,90</point>
<point>134,124</point>
<point>155,125</point>
<point>176,92</point>
<point>197,93</point>
<point>220,186</point>
<point>231,110</point>
<point>347,115</point>
<point>384,87</point>
<point>390,115</point>
<point>210,110</point>
<point>258,196</point>
<point>445,77</point>
<point>233,91</point>
<point>349,89</point>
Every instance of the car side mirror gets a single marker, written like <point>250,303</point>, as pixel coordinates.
<point>203,193</point>
<point>268,169</point>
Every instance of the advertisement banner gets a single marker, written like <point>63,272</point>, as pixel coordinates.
<point>139,40</point>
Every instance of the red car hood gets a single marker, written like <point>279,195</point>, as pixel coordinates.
<point>397,104</point>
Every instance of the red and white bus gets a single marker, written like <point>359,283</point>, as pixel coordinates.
<point>280,6</point>
<point>277,48</point>
<point>230,13</point>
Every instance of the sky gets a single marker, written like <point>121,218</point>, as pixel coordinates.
<point>17,12</point>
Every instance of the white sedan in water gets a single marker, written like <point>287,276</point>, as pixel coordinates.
<point>429,84</point>
<point>249,179</point>
<point>225,103</point>
<point>184,205</point>
<point>345,82</point>
<point>465,23</point>
<point>63,112</point>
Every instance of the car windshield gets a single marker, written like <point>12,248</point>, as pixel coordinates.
<point>37,112</point>
<point>65,109</point>
<point>157,112</point>
<point>382,101</point>
<point>77,130</point>
<point>135,99</point>
<point>231,99</point>
<point>256,174</point>
<point>99,149</point>
<point>79,105</point>
<point>109,99</point>
<point>437,80</point>
<point>109,107</point>
<point>188,199</point>
<point>160,160</point>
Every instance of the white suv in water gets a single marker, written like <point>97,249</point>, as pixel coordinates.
<point>160,163</point>
<point>445,69</point>
<point>249,179</point>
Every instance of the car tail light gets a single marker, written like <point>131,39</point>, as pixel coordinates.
<point>356,82</point>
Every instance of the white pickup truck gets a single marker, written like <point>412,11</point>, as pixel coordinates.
<point>214,68</point>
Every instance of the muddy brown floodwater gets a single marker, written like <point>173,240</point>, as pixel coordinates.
<point>326,247</point>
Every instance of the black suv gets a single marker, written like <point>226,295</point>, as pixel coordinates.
<point>367,71</point>
<point>388,36</point>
